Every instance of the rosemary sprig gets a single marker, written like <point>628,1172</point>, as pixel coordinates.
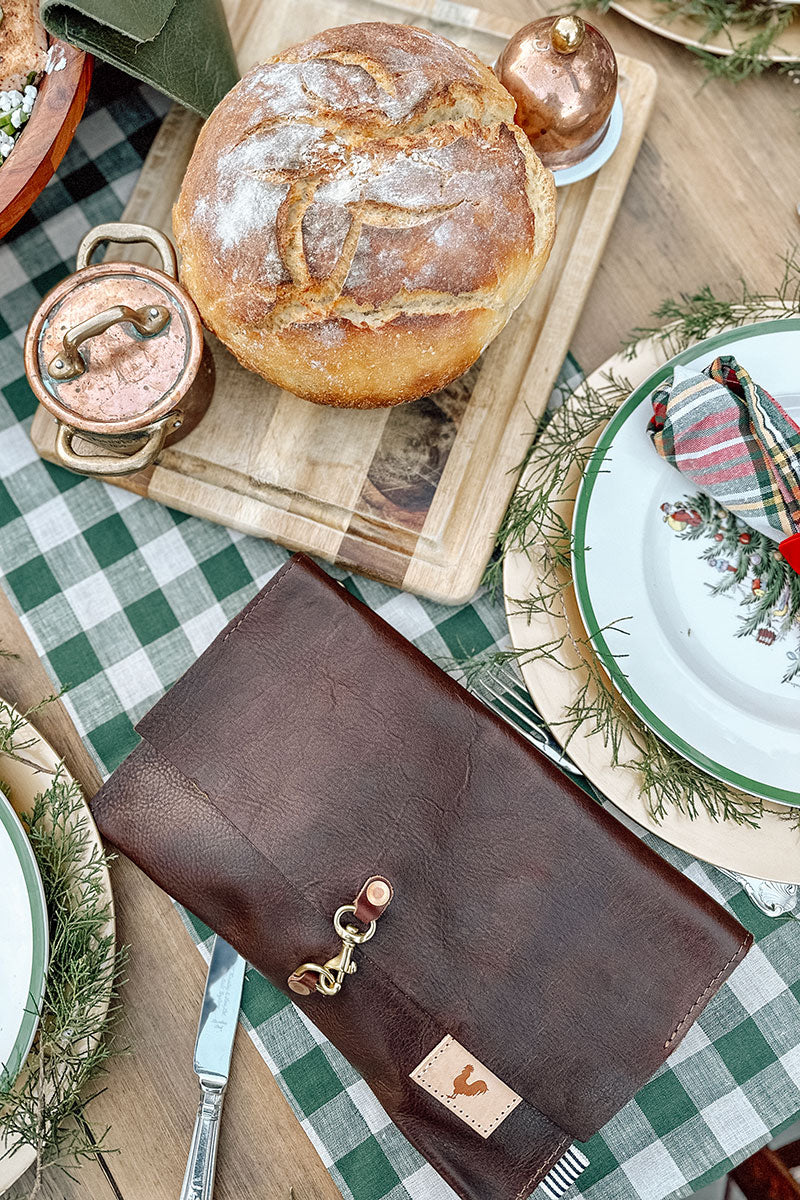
<point>44,1107</point>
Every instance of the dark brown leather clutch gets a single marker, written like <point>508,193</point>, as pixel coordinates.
<point>537,962</point>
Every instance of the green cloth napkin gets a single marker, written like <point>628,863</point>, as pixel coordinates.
<point>181,47</point>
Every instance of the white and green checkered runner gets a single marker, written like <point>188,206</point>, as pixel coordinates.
<point>120,595</point>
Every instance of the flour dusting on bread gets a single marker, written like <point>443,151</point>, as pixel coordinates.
<point>369,182</point>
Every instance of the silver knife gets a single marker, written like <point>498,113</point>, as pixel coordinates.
<point>212,1060</point>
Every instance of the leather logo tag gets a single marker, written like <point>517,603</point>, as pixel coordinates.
<point>465,1086</point>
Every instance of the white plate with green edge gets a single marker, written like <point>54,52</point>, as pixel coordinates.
<point>672,646</point>
<point>23,943</point>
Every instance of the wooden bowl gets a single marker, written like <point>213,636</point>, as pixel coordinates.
<point>44,140</point>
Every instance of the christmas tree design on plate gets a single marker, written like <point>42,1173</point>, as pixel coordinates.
<point>747,565</point>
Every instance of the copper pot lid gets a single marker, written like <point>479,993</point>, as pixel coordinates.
<point>115,346</point>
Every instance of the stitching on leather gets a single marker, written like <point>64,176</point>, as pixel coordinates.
<point>540,1172</point>
<point>273,583</point>
<point>460,1112</point>
<point>705,992</point>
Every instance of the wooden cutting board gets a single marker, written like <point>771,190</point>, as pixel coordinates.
<point>411,495</point>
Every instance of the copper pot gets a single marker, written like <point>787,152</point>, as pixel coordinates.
<point>116,353</point>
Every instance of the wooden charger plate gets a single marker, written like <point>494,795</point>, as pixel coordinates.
<point>690,31</point>
<point>25,782</point>
<point>44,140</point>
<point>771,851</point>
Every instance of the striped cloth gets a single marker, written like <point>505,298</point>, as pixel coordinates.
<point>567,1170</point>
<point>734,441</point>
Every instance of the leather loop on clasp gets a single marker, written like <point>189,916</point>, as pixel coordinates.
<point>373,899</point>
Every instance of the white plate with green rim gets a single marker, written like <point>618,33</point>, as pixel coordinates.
<point>672,647</point>
<point>23,943</point>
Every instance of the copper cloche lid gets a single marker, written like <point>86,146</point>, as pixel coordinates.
<point>563,75</point>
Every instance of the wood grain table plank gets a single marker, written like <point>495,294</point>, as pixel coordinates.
<point>91,1181</point>
<point>713,196</point>
<point>151,1093</point>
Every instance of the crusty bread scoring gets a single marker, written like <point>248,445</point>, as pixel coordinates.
<point>361,215</point>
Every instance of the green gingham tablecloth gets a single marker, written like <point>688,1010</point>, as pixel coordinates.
<point>120,595</point>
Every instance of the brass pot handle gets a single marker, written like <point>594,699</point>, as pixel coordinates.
<point>110,464</point>
<point>69,363</point>
<point>125,232</point>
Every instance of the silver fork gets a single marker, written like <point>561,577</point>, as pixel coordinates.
<point>502,688</point>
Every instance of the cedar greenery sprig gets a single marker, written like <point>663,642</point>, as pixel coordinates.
<point>750,57</point>
<point>11,723</point>
<point>44,1107</point>
<point>532,517</point>
<point>693,316</point>
<point>760,24</point>
<point>535,524</point>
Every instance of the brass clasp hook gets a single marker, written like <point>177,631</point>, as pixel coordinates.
<point>370,903</point>
<point>331,976</point>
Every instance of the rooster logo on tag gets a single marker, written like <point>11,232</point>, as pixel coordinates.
<point>462,1088</point>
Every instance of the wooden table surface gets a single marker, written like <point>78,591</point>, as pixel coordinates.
<point>713,197</point>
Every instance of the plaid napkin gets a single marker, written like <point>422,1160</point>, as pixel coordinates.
<point>733,440</point>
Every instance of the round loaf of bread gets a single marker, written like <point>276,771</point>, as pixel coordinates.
<point>361,215</point>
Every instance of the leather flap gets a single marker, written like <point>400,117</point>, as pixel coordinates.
<point>526,922</point>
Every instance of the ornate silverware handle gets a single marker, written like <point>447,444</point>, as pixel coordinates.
<point>198,1182</point>
<point>774,899</point>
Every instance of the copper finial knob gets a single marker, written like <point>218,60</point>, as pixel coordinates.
<point>563,75</point>
<point>567,34</point>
